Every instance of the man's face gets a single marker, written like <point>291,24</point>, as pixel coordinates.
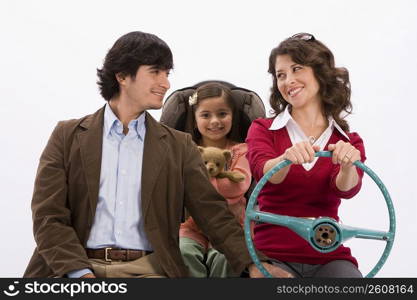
<point>147,89</point>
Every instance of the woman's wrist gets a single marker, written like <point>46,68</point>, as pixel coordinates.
<point>347,178</point>
<point>281,174</point>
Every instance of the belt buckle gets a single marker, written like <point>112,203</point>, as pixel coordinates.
<point>106,254</point>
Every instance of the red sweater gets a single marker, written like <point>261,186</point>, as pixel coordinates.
<point>302,194</point>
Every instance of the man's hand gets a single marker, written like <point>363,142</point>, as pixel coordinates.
<point>88,275</point>
<point>273,270</point>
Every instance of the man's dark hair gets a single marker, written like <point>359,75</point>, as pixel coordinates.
<point>128,53</point>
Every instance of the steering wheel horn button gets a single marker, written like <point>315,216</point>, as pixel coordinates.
<point>325,236</point>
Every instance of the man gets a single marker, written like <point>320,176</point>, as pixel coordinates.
<point>111,186</point>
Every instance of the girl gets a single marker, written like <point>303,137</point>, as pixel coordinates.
<point>308,95</point>
<point>213,125</point>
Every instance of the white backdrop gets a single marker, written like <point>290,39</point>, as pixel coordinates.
<point>50,51</point>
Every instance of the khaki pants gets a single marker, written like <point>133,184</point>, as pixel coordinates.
<point>144,267</point>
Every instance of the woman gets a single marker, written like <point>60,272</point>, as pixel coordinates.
<point>309,96</point>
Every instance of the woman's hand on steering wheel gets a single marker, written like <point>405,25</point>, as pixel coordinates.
<point>344,154</point>
<point>301,153</point>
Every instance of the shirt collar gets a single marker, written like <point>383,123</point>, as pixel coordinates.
<point>332,122</point>
<point>285,117</point>
<point>110,119</point>
<point>281,120</point>
<point>140,126</point>
<point>112,122</point>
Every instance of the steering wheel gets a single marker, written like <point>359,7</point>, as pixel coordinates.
<point>324,234</point>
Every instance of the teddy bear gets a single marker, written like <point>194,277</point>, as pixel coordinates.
<point>215,160</point>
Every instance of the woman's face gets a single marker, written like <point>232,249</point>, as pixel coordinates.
<point>214,119</point>
<point>296,83</point>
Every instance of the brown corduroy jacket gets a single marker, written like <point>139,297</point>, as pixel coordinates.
<point>173,176</point>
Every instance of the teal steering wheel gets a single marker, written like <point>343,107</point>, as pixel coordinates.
<point>324,234</point>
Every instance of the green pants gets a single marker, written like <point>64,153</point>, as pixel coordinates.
<point>202,262</point>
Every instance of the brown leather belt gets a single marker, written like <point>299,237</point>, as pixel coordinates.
<point>110,254</point>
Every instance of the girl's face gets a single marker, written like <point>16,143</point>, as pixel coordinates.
<point>296,83</point>
<point>214,119</point>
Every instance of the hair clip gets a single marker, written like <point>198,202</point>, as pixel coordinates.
<point>192,99</point>
<point>303,36</point>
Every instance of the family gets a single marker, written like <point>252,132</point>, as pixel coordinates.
<point>119,194</point>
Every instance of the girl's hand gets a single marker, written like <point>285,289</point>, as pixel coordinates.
<point>344,154</point>
<point>301,153</point>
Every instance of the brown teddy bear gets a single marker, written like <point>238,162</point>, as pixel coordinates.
<point>215,160</point>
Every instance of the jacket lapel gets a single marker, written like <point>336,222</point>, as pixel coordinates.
<point>91,140</point>
<point>154,153</point>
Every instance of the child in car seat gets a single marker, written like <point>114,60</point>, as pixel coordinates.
<point>214,125</point>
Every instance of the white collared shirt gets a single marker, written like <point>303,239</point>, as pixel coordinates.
<point>284,119</point>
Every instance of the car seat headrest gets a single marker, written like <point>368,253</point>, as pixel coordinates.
<point>176,107</point>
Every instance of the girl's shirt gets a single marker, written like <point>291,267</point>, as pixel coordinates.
<point>233,192</point>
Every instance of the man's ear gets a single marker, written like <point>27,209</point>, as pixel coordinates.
<point>227,155</point>
<point>120,77</point>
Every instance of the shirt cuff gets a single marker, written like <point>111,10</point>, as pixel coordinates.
<point>78,273</point>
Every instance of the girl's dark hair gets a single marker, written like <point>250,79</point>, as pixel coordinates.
<point>334,83</point>
<point>214,90</point>
<point>128,53</point>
